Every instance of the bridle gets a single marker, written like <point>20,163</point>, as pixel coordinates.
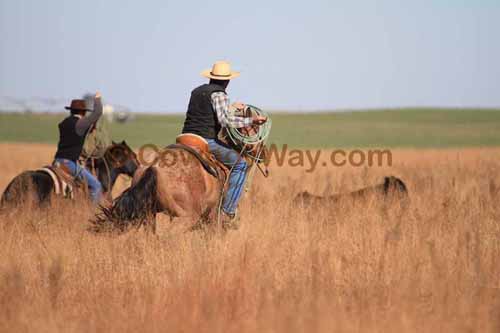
<point>109,161</point>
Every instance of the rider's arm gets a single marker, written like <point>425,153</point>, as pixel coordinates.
<point>83,124</point>
<point>220,103</point>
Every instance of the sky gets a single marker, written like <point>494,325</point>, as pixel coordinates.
<point>293,55</point>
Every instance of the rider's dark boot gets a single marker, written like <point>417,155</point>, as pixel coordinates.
<point>229,221</point>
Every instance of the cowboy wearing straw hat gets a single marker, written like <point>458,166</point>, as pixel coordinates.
<point>72,132</point>
<point>207,113</point>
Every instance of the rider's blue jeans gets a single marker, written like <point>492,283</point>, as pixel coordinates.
<point>95,187</point>
<point>231,159</point>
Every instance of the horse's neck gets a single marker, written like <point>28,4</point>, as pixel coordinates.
<point>106,174</point>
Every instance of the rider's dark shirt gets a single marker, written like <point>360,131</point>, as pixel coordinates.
<point>70,143</point>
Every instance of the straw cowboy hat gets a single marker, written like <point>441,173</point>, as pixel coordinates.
<point>221,70</point>
<point>77,105</point>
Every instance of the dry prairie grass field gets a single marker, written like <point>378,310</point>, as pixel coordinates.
<point>432,267</point>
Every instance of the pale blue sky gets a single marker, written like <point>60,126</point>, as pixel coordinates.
<point>292,54</point>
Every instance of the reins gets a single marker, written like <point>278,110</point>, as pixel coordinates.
<point>106,164</point>
<point>108,173</point>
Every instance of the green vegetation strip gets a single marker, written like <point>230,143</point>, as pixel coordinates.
<point>417,128</point>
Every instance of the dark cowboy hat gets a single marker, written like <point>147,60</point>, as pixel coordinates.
<point>78,105</point>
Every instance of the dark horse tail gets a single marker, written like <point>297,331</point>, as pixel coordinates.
<point>132,208</point>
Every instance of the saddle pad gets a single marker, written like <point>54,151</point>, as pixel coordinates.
<point>60,185</point>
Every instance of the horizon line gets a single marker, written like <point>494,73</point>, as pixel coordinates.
<point>291,111</point>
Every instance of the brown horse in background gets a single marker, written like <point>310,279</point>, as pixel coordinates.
<point>390,191</point>
<point>39,186</point>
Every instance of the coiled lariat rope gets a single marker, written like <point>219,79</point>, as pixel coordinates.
<point>251,139</point>
<point>262,132</point>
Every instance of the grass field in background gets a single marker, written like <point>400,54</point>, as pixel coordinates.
<point>336,267</point>
<point>420,128</point>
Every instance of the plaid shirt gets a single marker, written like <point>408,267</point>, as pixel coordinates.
<point>220,102</point>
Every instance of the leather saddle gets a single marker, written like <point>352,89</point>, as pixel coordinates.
<point>198,146</point>
<point>64,182</point>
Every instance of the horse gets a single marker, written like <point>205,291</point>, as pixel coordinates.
<point>178,183</point>
<point>40,185</point>
<point>391,190</point>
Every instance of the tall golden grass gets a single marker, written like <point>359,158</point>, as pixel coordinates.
<point>436,267</point>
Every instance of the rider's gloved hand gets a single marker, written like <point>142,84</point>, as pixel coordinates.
<point>259,120</point>
<point>239,105</point>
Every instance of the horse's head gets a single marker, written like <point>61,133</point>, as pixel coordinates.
<point>122,158</point>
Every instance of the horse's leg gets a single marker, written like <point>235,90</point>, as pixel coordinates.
<point>202,221</point>
<point>212,218</point>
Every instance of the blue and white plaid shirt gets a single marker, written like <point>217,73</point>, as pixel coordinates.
<point>220,103</point>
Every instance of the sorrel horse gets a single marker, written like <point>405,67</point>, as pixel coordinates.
<point>176,184</point>
<point>40,186</point>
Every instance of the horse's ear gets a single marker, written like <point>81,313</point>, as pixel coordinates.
<point>113,142</point>
<point>123,142</point>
